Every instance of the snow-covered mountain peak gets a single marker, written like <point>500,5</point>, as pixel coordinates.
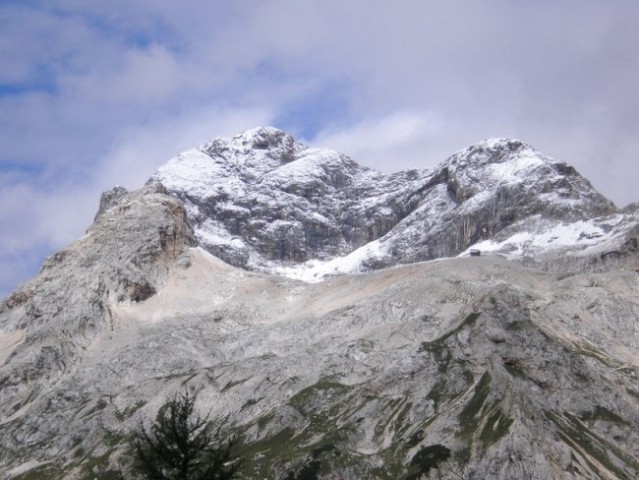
<point>495,151</point>
<point>497,164</point>
<point>501,142</point>
<point>259,138</point>
<point>494,163</point>
<point>261,200</point>
<point>263,155</point>
<point>259,151</point>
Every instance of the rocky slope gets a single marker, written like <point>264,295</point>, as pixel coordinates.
<point>50,323</point>
<point>458,368</point>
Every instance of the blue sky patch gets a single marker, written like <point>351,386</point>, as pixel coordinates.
<point>320,109</point>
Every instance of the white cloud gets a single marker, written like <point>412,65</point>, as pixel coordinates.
<point>143,149</point>
<point>393,142</point>
<point>144,75</point>
<point>33,217</point>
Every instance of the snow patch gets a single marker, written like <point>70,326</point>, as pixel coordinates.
<point>211,232</point>
<point>577,235</point>
<point>314,271</point>
<point>513,170</point>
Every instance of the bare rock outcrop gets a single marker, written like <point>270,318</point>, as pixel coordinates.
<point>125,256</point>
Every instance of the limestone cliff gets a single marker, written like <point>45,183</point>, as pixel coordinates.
<point>263,201</point>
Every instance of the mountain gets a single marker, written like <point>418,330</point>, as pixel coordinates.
<point>264,202</point>
<point>233,272</point>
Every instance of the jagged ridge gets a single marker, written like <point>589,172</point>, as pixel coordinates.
<point>263,201</point>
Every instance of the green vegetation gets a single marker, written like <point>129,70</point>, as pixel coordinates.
<point>329,418</point>
<point>173,376</point>
<point>108,475</point>
<point>440,392</point>
<point>467,417</point>
<point>440,354</point>
<point>98,467</point>
<point>181,445</point>
<point>602,413</point>
<point>415,438</point>
<point>129,411</point>
<point>515,369</point>
<point>436,344</point>
<point>401,423</point>
<point>38,473</point>
<point>250,402</point>
<point>394,407</point>
<point>308,471</point>
<point>496,427</point>
<point>101,404</point>
<point>232,384</point>
<point>577,435</point>
<point>279,443</point>
<point>425,459</point>
<point>262,458</point>
<point>589,350</point>
<point>321,393</point>
<point>113,439</point>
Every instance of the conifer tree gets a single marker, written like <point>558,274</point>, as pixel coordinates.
<point>182,445</point>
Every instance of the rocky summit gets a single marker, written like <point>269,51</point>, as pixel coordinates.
<point>476,320</point>
<point>261,201</point>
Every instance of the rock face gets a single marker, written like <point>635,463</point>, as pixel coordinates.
<point>124,257</point>
<point>463,368</point>
<point>262,201</point>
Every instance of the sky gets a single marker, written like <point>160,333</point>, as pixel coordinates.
<point>97,94</point>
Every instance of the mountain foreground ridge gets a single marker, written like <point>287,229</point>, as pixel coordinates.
<point>255,270</point>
